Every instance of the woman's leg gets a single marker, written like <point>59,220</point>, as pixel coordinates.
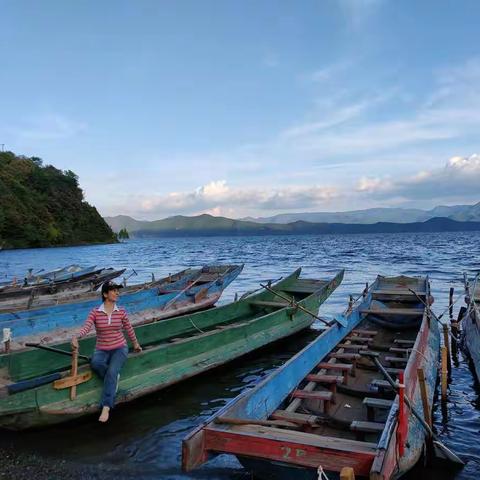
<point>99,362</point>
<point>117,358</point>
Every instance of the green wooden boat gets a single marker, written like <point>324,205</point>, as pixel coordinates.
<point>174,349</point>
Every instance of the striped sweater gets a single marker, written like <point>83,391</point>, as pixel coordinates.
<point>109,329</point>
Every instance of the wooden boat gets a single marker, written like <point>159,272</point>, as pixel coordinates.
<point>194,289</point>
<point>329,407</point>
<point>174,349</point>
<point>470,321</point>
<point>25,298</point>
<point>39,276</point>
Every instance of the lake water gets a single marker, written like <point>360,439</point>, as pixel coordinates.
<point>143,439</point>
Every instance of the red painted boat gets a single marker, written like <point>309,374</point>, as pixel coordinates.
<point>329,407</point>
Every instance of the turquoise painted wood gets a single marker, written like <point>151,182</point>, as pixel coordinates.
<point>27,323</point>
<point>471,322</point>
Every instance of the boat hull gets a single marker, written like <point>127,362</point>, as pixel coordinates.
<point>247,426</point>
<point>166,363</point>
<point>58,323</point>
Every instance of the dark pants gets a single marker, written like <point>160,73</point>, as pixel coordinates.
<point>107,364</point>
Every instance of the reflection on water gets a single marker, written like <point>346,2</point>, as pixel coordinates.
<point>143,439</point>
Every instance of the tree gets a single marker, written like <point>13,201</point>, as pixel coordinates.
<point>123,234</point>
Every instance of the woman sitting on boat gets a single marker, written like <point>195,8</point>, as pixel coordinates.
<point>111,350</point>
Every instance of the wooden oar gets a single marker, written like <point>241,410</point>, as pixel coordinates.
<point>293,303</point>
<point>175,298</point>
<point>448,454</point>
<point>56,350</point>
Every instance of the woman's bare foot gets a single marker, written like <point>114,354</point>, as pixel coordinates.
<point>104,415</point>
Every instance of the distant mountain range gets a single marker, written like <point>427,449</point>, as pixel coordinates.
<point>461,213</point>
<point>207,225</point>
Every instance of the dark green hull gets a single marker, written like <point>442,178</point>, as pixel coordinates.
<point>176,349</point>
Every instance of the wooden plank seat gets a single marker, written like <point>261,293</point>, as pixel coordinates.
<point>395,360</point>
<point>394,292</point>
<point>330,381</point>
<point>403,351</point>
<point>345,356</point>
<point>411,312</point>
<point>300,289</point>
<point>352,346</point>
<point>298,418</point>
<point>376,403</point>
<point>358,339</point>
<point>361,428</point>
<point>399,341</point>
<point>365,332</point>
<point>381,385</point>
<point>322,395</point>
<point>343,367</point>
<point>264,303</point>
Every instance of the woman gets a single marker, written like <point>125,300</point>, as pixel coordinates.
<point>111,350</point>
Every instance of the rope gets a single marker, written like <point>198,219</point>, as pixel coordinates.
<point>199,329</point>
<point>321,473</point>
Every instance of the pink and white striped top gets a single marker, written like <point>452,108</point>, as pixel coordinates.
<point>109,329</point>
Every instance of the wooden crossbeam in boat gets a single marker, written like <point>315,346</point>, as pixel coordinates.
<point>344,367</point>
<point>351,346</point>
<point>403,351</point>
<point>376,403</point>
<point>315,395</point>
<point>414,312</point>
<point>345,356</point>
<point>364,332</point>
<point>381,385</point>
<point>397,292</point>
<point>329,379</point>
<point>298,418</point>
<point>299,289</point>
<point>355,338</point>
<point>264,303</point>
<point>360,428</point>
<point>400,341</point>
<point>325,397</point>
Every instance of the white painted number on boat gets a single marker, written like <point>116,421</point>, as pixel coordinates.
<point>287,452</point>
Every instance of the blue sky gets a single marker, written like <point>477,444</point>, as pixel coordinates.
<point>247,107</point>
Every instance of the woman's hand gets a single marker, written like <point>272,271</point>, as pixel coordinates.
<point>137,348</point>
<point>74,342</point>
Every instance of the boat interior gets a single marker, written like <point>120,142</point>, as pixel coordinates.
<point>345,399</point>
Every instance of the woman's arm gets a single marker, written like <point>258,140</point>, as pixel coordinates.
<point>131,333</point>
<point>87,326</point>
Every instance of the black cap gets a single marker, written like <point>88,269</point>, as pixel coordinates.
<point>107,286</point>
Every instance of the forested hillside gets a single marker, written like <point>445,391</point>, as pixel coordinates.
<point>43,206</point>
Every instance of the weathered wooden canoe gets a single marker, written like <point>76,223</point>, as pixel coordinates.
<point>328,407</point>
<point>192,290</point>
<point>470,320</point>
<point>175,349</point>
<point>33,296</point>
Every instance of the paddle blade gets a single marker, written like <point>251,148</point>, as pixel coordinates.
<point>441,451</point>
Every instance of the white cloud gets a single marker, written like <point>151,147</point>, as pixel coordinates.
<point>459,177</point>
<point>218,197</point>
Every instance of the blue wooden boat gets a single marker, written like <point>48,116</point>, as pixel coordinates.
<point>39,277</point>
<point>33,296</point>
<point>329,407</point>
<point>470,320</point>
<point>174,295</point>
